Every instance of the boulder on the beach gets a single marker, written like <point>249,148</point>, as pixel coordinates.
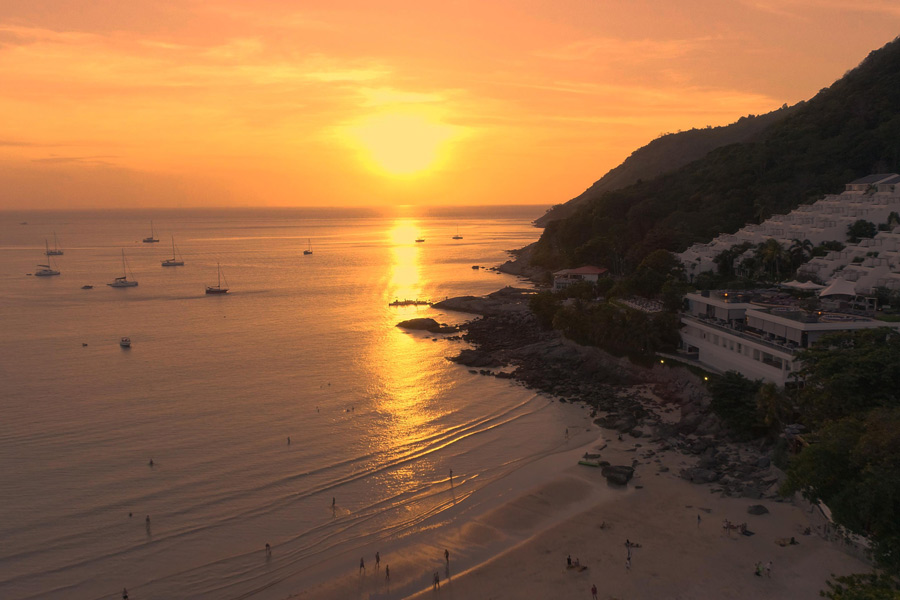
<point>618,474</point>
<point>757,509</point>
<point>426,324</point>
<point>697,475</point>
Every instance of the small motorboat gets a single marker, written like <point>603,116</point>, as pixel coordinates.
<point>420,240</point>
<point>87,287</point>
<point>125,342</point>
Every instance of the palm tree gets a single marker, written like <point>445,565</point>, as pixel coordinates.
<point>799,252</point>
<point>771,254</point>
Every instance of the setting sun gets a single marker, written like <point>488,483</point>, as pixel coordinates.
<point>401,144</point>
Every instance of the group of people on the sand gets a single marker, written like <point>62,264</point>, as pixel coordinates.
<point>387,568</point>
<point>728,526</point>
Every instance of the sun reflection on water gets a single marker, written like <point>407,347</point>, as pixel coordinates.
<point>405,389</point>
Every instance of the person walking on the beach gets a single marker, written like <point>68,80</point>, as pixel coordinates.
<point>769,569</point>
<point>759,569</point>
<point>451,477</point>
<point>628,563</point>
<point>124,593</point>
<point>569,561</point>
<point>268,550</point>
<point>362,565</point>
<point>447,555</point>
<point>594,591</point>
<point>387,572</point>
<point>567,433</point>
<point>698,521</point>
<point>436,581</point>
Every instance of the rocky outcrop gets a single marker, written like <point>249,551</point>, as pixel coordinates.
<point>619,475</point>
<point>427,324</point>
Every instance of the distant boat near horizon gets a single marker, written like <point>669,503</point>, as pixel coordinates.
<point>172,262</point>
<point>457,236</point>
<point>46,270</point>
<point>218,289</point>
<point>152,239</point>
<point>309,249</point>
<point>125,342</point>
<point>420,240</point>
<point>123,281</point>
<point>56,251</point>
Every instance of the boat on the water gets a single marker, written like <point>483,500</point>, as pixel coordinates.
<point>123,281</point>
<point>56,251</point>
<point>152,239</point>
<point>476,267</point>
<point>87,287</point>
<point>457,236</point>
<point>309,249</point>
<point>420,240</point>
<point>174,261</point>
<point>415,302</point>
<point>46,270</point>
<point>218,289</point>
<point>125,342</point>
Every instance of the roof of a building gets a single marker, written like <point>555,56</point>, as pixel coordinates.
<point>876,178</point>
<point>839,287</point>
<point>586,270</point>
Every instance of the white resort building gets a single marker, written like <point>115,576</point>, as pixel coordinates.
<point>871,263</point>
<point>757,333</point>
<point>566,277</point>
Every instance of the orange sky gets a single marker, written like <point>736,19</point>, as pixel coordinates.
<point>276,102</point>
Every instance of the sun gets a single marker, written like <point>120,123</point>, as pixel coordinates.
<point>402,143</point>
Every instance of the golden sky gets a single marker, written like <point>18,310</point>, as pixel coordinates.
<point>143,103</point>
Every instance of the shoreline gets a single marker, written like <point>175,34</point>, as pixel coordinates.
<point>655,421</point>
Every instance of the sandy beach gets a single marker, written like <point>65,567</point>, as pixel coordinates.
<point>557,508</point>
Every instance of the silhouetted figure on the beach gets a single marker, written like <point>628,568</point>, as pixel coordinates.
<point>569,560</point>
<point>289,440</point>
<point>594,591</point>
<point>362,565</point>
<point>567,433</point>
<point>436,582</point>
<point>147,521</point>
<point>130,515</point>
<point>124,593</point>
<point>447,555</point>
<point>268,550</point>
<point>387,572</point>
<point>151,462</point>
<point>698,521</point>
<point>451,476</point>
<point>377,561</point>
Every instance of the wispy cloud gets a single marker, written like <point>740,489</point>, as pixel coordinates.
<point>804,10</point>
<point>644,50</point>
<point>83,160</point>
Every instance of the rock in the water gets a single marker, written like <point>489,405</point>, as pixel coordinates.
<point>757,509</point>
<point>620,475</point>
<point>426,324</point>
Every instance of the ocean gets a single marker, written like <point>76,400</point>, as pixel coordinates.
<point>259,408</point>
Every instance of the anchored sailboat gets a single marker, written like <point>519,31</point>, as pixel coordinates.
<point>123,281</point>
<point>46,270</point>
<point>309,249</point>
<point>173,262</point>
<point>152,239</point>
<point>56,251</point>
<point>217,289</point>
<point>457,236</point>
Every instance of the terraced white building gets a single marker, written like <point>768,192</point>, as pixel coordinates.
<point>869,264</point>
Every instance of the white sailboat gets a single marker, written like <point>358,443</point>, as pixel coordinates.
<point>123,281</point>
<point>152,239</point>
<point>457,236</point>
<point>218,289</point>
<point>309,249</point>
<point>56,251</point>
<point>46,270</point>
<point>173,262</point>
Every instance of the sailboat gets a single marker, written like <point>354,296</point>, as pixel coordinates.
<point>151,239</point>
<point>56,251</point>
<point>308,250</point>
<point>172,262</point>
<point>46,270</point>
<point>123,281</point>
<point>457,236</point>
<point>217,289</point>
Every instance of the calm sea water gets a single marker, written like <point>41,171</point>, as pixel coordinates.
<point>303,347</point>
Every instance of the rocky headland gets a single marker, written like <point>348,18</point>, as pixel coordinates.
<point>661,407</point>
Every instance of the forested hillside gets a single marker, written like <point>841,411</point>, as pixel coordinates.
<point>846,131</point>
